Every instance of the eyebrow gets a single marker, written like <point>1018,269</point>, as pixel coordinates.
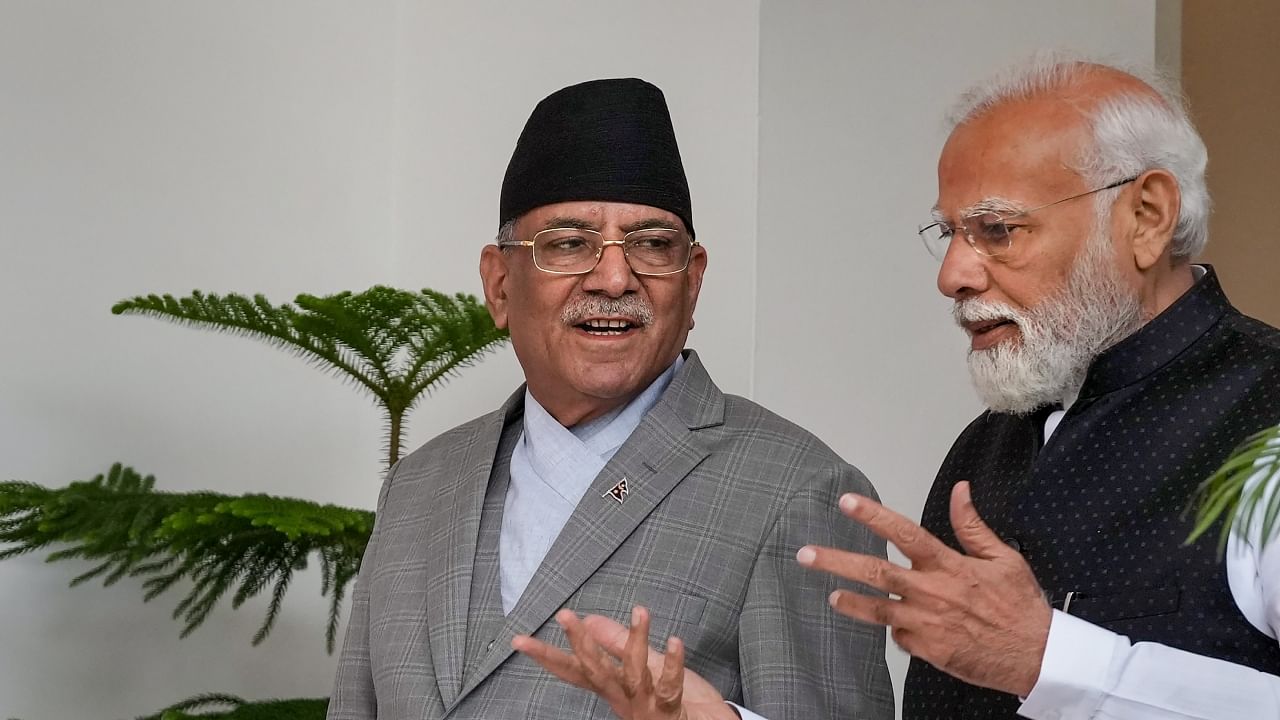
<point>580,224</point>
<point>567,222</point>
<point>998,205</point>
<point>648,224</point>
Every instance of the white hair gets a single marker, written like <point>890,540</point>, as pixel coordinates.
<point>1132,132</point>
<point>1059,337</point>
<point>506,233</point>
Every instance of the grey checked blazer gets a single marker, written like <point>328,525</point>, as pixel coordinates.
<point>722,494</point>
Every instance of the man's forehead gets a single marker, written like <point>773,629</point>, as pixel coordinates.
<point>1014,159</point>
<point>592,214</point>
<point>1003,191</point>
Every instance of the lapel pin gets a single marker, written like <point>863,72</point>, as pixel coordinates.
<point>618,492</point>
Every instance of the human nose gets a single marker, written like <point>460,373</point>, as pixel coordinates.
<point>612,274</point>
<point>963,273</point>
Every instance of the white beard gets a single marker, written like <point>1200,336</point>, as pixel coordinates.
<point>1060,336</point>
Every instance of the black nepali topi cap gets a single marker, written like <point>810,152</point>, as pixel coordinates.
<point>607,140</point>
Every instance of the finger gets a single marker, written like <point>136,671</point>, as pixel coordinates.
<point>974,535</point>
<point>608,633</point>
<point>875,610</point>
<point>669,693</point>
<point>914,541</point>
<point>612,636</point>
<point>554,660</point>
<point>876,572</point>
<point>921,643</point>
<point>598,669</point>
<point>903,638</point>
<point>917,644</point>
<point>904,619</point>
<point>637,682</point>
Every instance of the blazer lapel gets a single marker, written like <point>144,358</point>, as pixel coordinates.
<point>450,556</point>
<point>662,451</point>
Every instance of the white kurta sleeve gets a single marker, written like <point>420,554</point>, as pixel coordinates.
<point>1090,673</point>
<point>746,714</point>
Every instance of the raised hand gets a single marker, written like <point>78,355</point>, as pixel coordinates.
<point>980,616</point>
<point>617,664</point>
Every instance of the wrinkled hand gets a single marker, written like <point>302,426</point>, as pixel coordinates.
<point>981,617</point>
<point>597,645</point>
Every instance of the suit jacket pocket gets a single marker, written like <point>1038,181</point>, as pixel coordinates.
<point>1101,607</point>
<point>615,599</point>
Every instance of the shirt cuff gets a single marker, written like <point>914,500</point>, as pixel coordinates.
<point>1073,676</point>
<point>744,713</point>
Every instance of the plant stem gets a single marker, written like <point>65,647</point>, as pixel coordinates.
<point>393,441</point>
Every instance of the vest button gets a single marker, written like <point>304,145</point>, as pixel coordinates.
<point>1013,543</point>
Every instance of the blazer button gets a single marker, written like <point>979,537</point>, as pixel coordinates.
<point>1013,543</point>
<point>490,645</point>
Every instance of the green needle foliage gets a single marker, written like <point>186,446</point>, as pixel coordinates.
<point>210,707</point>
<point>394,344</point>
<point>215,542</point>
<point>1225,495</point>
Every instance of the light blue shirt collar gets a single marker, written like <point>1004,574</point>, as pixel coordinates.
<point>551,468</point>
<point>549,444</point>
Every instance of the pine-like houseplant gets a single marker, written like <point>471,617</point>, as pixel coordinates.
<point>392,344</point>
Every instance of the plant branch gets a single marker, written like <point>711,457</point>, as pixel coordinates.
<point>394,344</point>
<point>1245,490</point>
<point>218,542</point>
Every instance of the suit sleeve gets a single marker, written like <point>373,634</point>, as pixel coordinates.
<point>354,697</point>
<point>799,658</point>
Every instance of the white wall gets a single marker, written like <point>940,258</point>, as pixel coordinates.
<point>280,147</point>
<point>303,146</point>
<point>161,147</point>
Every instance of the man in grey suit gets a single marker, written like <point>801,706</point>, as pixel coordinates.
<point>619,475</point>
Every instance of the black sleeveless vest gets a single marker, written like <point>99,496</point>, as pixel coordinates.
<point>1098,512</point>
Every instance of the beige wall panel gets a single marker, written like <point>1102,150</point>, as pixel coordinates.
<point>1231,74</point>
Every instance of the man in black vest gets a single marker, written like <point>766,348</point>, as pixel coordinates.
<point>1071,199</point>
<point>1050,576</point>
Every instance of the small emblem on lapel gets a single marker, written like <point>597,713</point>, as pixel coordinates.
<point>618,492</point>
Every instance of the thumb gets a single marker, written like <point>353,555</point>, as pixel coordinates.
<point>975,537</point>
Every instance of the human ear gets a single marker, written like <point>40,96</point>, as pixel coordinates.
<point>1155,207</point>
<point>494,273</point>
<point>697,266</point>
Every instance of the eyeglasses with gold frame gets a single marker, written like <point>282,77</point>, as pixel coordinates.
<point>651,251</point>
